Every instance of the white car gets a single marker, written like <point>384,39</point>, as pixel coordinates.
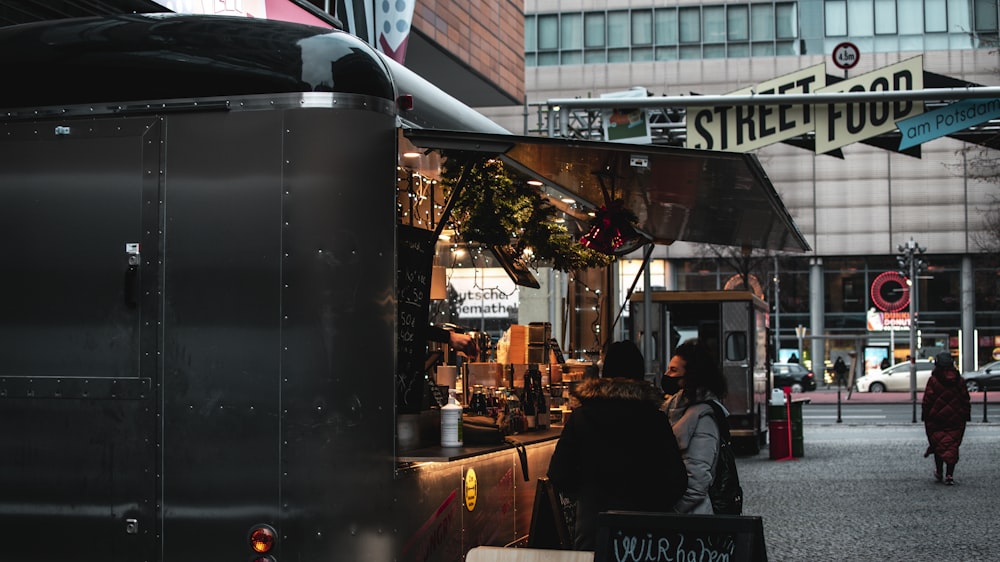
<point>895,378</point>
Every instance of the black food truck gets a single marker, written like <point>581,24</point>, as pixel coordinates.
<point>203,350</point>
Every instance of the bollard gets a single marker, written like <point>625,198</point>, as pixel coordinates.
<point>839,420</point>
<point>985,401</point>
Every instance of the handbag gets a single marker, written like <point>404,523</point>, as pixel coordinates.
<point>481,430</point>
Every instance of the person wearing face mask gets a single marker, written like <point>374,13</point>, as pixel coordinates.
<point>615,433</point>
<point>692,378</point>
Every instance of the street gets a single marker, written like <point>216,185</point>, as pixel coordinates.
<point>821,407</point>
<point>863,491</point>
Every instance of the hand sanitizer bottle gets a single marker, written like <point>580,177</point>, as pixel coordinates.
<point>451,421</point>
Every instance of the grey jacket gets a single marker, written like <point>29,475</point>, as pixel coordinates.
<point>698,438</point>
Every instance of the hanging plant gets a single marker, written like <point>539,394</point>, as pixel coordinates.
<point>494,210</point>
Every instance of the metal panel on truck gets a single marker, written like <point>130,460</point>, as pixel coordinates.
<point>279,248</point>
<point>78,330</point>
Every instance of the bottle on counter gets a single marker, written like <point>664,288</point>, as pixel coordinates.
<point>451,421</point>
<point>512,404</point>
<point>478,403</point>
<point>544,416</point>
<point>529,401</point>
<point>492,402</point>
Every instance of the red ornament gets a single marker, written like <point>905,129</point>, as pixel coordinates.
<point>611,229</point>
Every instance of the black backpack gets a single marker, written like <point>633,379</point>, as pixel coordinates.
<point>725,492</point>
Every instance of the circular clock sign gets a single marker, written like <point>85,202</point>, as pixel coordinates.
<point>846,55</point>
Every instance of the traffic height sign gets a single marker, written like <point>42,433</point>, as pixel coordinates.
<point>846,55</point>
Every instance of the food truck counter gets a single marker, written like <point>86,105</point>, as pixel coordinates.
<point>447,454</point>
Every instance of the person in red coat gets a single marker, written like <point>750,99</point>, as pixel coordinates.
<point>945,411</point>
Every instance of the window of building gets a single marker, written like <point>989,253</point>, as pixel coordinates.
<point>885,17</point>
<point>935,16</point>
<point>714,25</point>
<point>960,20</point>
<point>836,18</point>
<point>642,27</point>
<point>739,50</point>
<point>548,32</point>
<point>786,21</point>
<point>986,15</point>
<point>571,32</point>
<point>530,36</point>
<point>570,57</point>
<point>859,18</point>
<point>666,27</point>
<point>666,53</point>
<point>548,59</point>
<point>760,49</point>
<point>713,52</point>
<point>737,23</point>
<point>618,28</point>
<point>618,55</point>
<point>594,30</point>
<point>712,31</point>
<point>911,17</point>
<point>690,24</point>
<point>642,54</point>
<point>761,22</point>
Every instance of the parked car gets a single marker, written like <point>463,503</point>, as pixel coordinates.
<point>895,378</point>
<point>986,377</point>
<point>794,375</point>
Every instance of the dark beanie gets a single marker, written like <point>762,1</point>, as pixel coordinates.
<point>624,359</point>
<point>943,360</point>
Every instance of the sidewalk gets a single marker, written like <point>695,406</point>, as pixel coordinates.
<point>859,494</point>
<point>829,396</point>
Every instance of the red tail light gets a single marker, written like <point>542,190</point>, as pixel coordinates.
<point>262,539</point>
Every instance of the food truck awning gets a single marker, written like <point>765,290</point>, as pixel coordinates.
<point>683,194</point>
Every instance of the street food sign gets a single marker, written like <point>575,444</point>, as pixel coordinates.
<point>841,124</point>
<point>741,128</point>
<point>744,128</point>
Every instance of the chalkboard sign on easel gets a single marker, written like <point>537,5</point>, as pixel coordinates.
<point>667,537</point>
<point>414,262</point>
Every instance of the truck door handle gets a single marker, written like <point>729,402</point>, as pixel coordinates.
<point>131,281</point>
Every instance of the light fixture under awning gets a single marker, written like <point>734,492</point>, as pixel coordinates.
<point>683,194</point>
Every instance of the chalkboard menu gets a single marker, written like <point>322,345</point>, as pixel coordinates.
<point>671,537</point>
<point>414,261</point>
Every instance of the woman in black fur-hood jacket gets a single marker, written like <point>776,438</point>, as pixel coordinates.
<point>616,452</point>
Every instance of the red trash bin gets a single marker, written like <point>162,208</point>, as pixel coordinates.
<point>778,437</point>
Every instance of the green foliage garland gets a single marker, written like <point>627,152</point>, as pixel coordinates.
<point>492,209</point>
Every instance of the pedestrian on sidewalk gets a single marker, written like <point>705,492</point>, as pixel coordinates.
<point>945,411</point>
<point>840,372</point>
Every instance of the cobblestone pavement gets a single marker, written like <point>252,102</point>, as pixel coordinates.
<point>863,493</point>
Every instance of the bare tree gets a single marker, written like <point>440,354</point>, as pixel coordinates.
<point>753,267</point>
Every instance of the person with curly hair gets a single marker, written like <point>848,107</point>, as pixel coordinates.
<point>694,377</point>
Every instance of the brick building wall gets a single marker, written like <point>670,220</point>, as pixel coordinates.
<point>486,36</point>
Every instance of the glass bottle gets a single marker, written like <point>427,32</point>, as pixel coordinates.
<point>477,404</point>
<point>529,400</point>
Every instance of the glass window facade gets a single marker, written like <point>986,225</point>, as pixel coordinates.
<point>668,33</point>
<point>766,29</point>
<point>847,295</point>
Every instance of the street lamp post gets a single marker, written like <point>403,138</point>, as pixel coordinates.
<point>911,265</point>
<point>800,333</point>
